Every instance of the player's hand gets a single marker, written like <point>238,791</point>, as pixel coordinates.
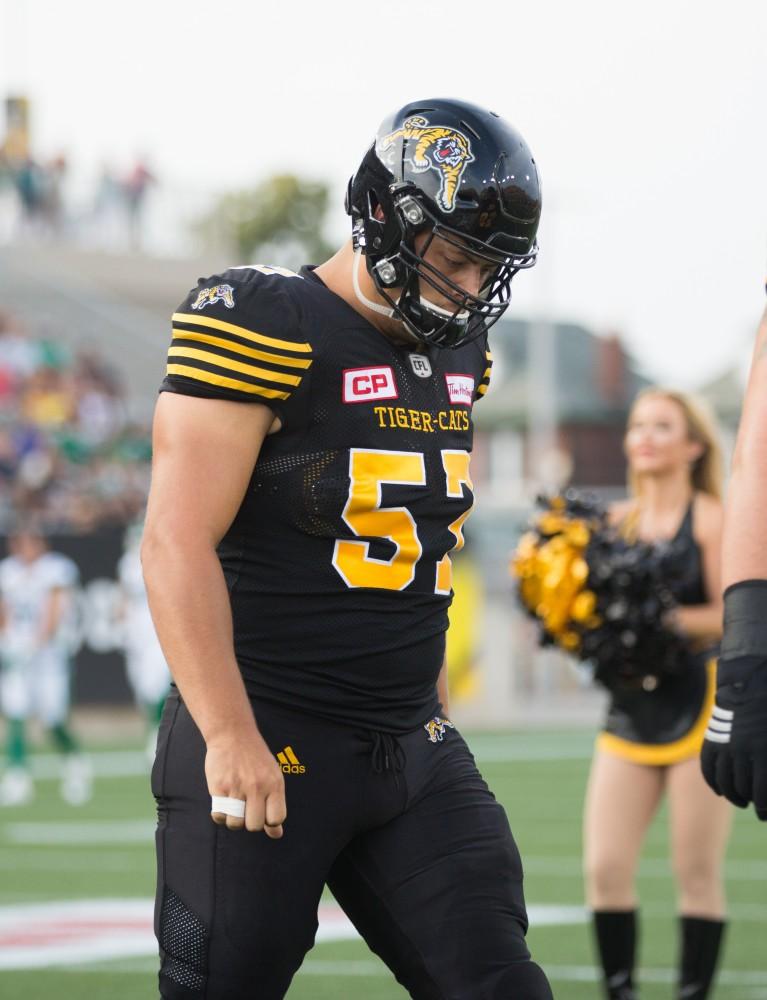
<point>243,769</point>
<point>734,754</point>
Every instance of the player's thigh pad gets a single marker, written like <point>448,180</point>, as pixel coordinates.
<point>235,911</point>
<point>437,892</point>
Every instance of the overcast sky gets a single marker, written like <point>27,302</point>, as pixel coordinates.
<point>649,126</point>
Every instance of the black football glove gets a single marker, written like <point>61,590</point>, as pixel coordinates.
<point>734,755</point>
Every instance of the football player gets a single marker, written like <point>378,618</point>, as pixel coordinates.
<point>734,755</point>
<point>311,476</point>
<point>145,664</point>
<point>36,622</point>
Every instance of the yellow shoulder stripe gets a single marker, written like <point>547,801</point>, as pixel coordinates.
<point>248,352</point>
<point>481,390</point>
<point>241,331</point>
<point>487,373</point>
<point>227,383</point>
<point>237,366</point>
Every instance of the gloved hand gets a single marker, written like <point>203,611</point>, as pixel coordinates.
<point>734,754</point>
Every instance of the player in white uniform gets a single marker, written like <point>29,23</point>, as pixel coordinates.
<point>144,660</point>
<point>36,625</point>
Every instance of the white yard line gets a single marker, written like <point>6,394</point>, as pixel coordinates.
<point>486,749</point>
<point>39,935</point>
<point>571,866</point>
<point>366,968</point>
<point>37,860</point>
<point>588,974</point>
<point>128,831</point>
<point>83,935</point>
<point>141,832</point>
<point>106,764</point>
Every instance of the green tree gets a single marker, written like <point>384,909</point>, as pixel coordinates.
<point>278,222</point>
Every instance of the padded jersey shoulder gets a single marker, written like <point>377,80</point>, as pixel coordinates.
<point>240,334</point>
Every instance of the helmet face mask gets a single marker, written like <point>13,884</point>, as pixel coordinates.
<point>448,172</point>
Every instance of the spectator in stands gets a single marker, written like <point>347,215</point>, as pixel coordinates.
<point>48,399</point>
<point>66,451</point>
<point>19,354</point>
<point>135,189</point>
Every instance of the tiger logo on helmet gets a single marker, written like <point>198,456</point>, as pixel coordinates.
<point>218,293</point>
<point>431,147</point>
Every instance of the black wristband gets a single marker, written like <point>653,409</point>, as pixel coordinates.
<point>745,620</point>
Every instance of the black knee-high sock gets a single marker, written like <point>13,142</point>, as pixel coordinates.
<point>616,934</point>
<point>700,944</point>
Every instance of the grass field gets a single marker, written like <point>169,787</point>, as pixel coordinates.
<point>52,852</point>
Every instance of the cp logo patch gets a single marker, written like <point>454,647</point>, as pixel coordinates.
<point>363,385</point>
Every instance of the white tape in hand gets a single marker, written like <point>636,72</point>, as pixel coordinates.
<point>230,807</point>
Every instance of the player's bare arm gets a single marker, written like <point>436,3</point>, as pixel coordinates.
<point>745,530</point>
<point>734,756</point>
<point>204,453</point>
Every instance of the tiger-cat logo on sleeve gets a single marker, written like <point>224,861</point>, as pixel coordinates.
<point>218,293</point>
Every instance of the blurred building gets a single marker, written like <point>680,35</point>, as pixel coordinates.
<point>570,399</point>
<point>724,394</point>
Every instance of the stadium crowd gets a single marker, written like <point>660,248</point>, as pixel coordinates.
<point>69,453</point>
<point>37,202</point>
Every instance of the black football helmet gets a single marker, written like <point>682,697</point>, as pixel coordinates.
<point>449,169</point>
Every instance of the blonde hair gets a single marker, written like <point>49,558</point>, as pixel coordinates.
<point>707,471</point>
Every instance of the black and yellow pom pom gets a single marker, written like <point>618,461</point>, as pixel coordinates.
<point>553,573</point>
<point>597,594</point>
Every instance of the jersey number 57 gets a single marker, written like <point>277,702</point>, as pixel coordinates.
<point>363,513</point>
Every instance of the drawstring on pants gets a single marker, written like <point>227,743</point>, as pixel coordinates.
<point>387,755</point>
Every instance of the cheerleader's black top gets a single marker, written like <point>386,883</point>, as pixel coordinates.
<point>663,720</point>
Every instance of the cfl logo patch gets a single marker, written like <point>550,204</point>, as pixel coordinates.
<point>363,385</point>
<point>289,763</point>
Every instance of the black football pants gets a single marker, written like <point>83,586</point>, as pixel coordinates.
<point>404,831</point>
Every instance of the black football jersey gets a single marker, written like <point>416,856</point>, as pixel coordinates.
<point>337,562</point>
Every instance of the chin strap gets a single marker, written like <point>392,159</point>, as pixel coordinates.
<point>390,313</point>
<point>368,303</point>
<point>461,317</point>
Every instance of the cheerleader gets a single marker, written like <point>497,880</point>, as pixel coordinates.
<point>654,728</point>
